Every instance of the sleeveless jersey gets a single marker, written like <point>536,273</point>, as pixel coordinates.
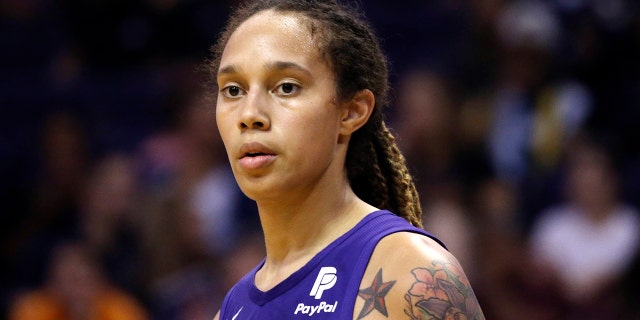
<point>327,286</point>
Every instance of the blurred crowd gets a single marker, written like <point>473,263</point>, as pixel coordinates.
<point>518,120</point>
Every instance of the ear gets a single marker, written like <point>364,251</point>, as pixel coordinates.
<point>356,112</point>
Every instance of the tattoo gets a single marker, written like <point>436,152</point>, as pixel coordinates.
<point>441,292</point>
<point>374,296</point>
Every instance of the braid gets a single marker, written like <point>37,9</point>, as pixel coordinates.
<point>378,174</point>
<point>378,182</point>
<point>404,196</point>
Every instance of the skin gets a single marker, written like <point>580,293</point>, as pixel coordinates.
<point>278,101</point>
<point>429,283</point>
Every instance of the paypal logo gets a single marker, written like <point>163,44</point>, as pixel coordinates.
<point>326,279</point>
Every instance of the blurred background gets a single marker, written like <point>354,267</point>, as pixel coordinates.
<point>518,120</point>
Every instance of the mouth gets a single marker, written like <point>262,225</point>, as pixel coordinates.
<point>255,149</point>
<point>255,155</point>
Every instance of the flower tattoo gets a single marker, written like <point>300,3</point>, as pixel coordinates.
<point>440,293</point>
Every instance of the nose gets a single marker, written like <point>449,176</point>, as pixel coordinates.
<point>254,113</point>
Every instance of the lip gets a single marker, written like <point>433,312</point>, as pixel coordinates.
<point>254,155</point>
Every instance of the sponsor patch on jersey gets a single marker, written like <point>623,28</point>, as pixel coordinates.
<point>327,278</point>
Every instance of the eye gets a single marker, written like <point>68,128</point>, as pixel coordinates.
<point>287,89</point>
<point>232,91</point>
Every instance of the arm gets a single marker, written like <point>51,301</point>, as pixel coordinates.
<point>411,277</point>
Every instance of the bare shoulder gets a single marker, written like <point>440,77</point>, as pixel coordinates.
<point>410,276</point>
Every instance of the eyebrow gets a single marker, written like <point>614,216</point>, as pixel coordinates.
<point>276,66</point>
<point>284,65</point>
<point>230,69</point>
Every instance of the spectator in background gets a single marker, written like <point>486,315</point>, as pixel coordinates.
<point>534,110</point>
<point>510,286</point>
<point>76,289</point>
<point>110,220</point>
<point>588,242</point>
<point>425,121</point>
<point>53,205</point>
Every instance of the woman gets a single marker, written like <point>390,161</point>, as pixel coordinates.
<point>299,108</point>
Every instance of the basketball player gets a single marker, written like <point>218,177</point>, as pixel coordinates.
<point>301,86</point>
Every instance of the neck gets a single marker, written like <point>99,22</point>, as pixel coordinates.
<point>296,229</point>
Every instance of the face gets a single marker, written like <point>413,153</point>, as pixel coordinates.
<point>276,110</point>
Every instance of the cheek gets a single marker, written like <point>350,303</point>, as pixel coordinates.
<point>224,126</point>
<point>316,133</point>
<point>222,120</point>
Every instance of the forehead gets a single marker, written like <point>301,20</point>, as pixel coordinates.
<point>271,33</point>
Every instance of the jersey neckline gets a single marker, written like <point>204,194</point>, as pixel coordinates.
<point>262,297</point>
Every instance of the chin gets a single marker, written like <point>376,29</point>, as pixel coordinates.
<point>258,188</point>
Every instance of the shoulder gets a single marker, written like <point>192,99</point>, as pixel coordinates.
<point>411,276</point>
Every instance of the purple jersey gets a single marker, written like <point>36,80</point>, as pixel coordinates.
<point>326,287</point>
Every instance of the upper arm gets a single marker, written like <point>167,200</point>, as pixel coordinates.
<point>411,277</point>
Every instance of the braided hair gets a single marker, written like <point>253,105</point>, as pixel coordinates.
<point>376,169</point>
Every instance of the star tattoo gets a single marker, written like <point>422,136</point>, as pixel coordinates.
<point>374,296</point>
